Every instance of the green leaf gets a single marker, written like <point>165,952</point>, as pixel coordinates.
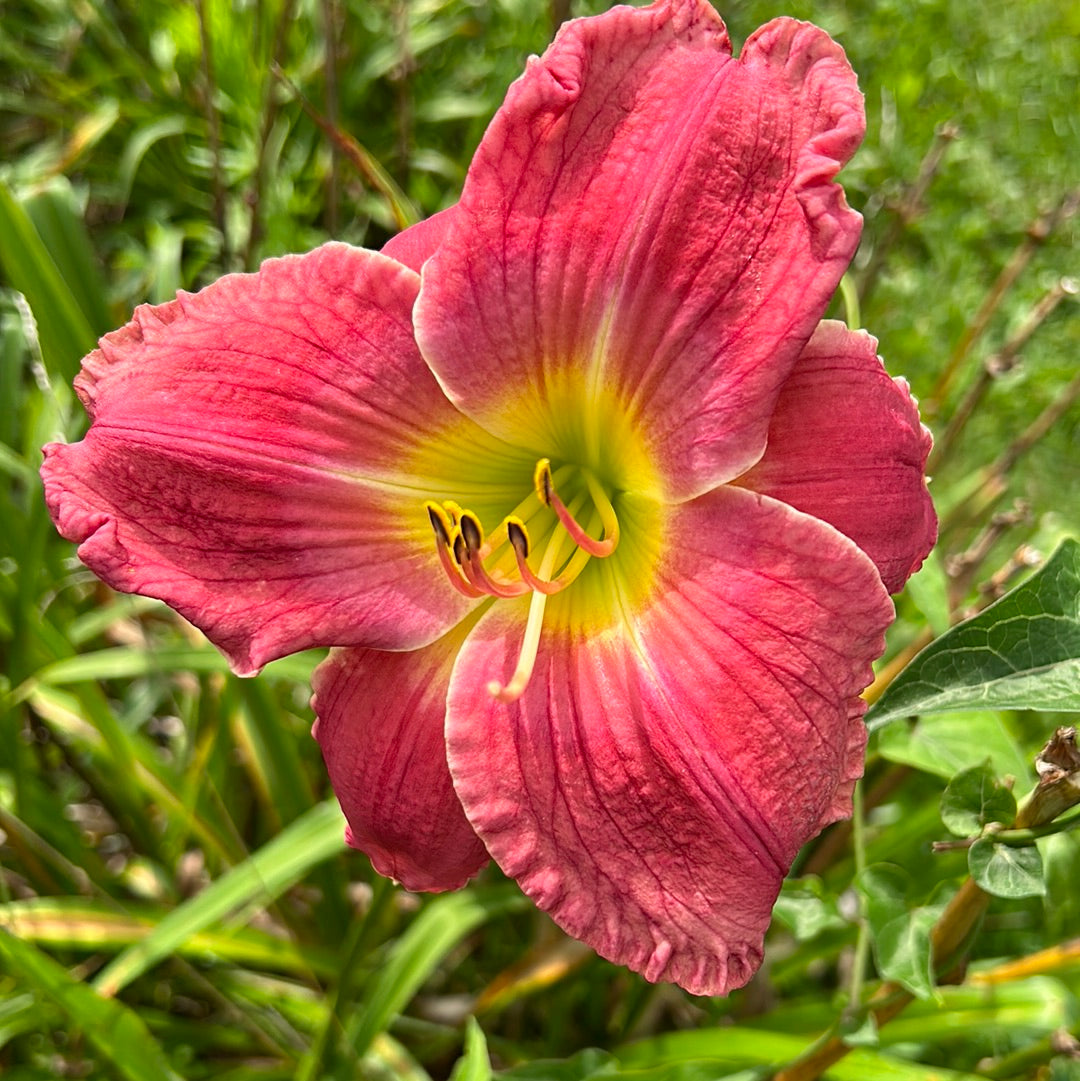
<point>123,663</point>
<point>443,923</point>
<point>736,1045</point>
<point>803,906</point>
<point>474,1065</point>
<point>928,588</point>
<point>900,934</point>
<point>18,1014</point>
<point>1006,870</point>
<point>137,146</point>
<point>902,950</point>
<point>585,1065</point>
<point>118,1034</point>
<point>77,923</point>
<point>945,744</point>
<point>883,888</point>
<point>1023,652</point>
<point>973,799</point>
<point>57,216</point>
<point>860,1032</point>
<point>63,329</point>
<point>309,840</point>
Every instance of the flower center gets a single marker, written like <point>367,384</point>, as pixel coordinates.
<point>499,566</point>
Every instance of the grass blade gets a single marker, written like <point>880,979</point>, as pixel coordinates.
<point>441,926</point>
<point>117,1033</point>
<point>63,329</point>
<point>309,840</point>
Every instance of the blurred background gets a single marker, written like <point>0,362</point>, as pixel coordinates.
<point>167,835</point>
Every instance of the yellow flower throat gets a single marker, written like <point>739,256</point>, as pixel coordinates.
<point>498,566</point>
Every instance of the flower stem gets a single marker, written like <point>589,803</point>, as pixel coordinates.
<point>1036,235</point>
<point>862,941</point>
<point>850,296</point>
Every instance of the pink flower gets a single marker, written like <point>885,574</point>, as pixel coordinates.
<point>639,693</point>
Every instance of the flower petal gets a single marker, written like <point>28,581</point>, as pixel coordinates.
<point>649,228</point>
<point>415,245</point>
<point>659,774</point>
<point>259,456</point>
<point>846,445</point>
<point>380,726</point>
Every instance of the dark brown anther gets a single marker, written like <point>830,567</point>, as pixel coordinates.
<point>517,536</point>
<point>461,551</point>
<point>438,526</point>
<point>471,532</point>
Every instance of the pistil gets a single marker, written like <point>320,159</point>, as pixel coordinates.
<point>530,643</point>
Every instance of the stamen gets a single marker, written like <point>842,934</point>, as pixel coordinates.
<point>545,489</point>
<point>519,541</point>
<point>468,551</point>
<point>530,643</point>
<point>441,526</point>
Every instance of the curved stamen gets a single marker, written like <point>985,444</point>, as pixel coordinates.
<point>469,553</point>
<point>545,489</point>
<point>519,541</point>
<point>441,526</point>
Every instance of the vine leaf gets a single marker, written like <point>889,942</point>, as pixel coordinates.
<point>1023,652</point>
<point>973,799</point>
<point>1004,871</point>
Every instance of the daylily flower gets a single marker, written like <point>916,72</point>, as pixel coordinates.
<point>601,518</point>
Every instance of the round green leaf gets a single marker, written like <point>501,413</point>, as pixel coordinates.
<point>1006,871</point>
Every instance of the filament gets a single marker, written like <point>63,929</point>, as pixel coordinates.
<point>545,488</point>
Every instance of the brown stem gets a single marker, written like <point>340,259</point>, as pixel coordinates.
<point>1038,428</point>
<point>1036,235</point>
<point>962,568</point>
<point>1063,955</point>
<point>994,481</point>
<point>997,585</point>
<point>996,366</point>
<point>213,131</point>
<point>366,164</point>
<point>907,209</point>
<point>269,116</point>
<point>330,86</point>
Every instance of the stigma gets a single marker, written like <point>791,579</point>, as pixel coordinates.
<point>503,565</point>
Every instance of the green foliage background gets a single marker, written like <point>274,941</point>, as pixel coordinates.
<point>167,835</point>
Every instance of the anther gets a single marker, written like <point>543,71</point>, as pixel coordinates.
<point>461,550</point>
<point>542,481</point>
<point>519,541</point>
<point>518,536</point>
<point>438,524</point>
